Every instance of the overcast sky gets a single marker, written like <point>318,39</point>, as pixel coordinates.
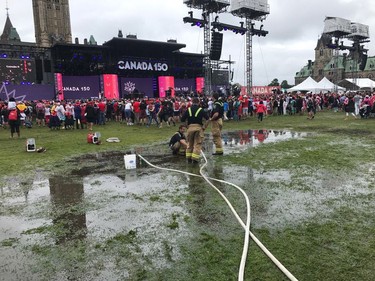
<point>294,27</point>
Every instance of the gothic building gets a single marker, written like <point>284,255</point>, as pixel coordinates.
<point>52,22</point>
<point>347,64</point>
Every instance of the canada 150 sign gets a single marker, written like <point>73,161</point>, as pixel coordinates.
<point>142,65</point>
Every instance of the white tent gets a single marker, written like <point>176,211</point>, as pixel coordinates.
<point>327,85</point>
<point>363,83</point>
<point>308,85</point>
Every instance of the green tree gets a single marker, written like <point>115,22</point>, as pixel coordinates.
<point>275,82</point>
<point>285,85</point>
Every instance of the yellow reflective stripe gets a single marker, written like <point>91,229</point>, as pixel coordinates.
<point>199,110</point>
<point>195,156</point>
<point>196,113</point>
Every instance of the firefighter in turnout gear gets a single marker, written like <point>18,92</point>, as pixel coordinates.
<point>178,142</point>
<point>194,116</point>
<point>216,121</point>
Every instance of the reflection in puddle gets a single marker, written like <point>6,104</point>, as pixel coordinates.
<point>240,140</point>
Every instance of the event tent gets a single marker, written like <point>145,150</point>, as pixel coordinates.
<point>308,85</point>
<point>327,85</point>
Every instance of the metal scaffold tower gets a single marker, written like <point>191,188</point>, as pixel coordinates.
<point>208,7</point>
<point>251,10</point>
<point>207,60</point>
<point>249,55</point>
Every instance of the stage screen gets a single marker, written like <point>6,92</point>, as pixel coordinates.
<point>142,86</point>
<point>81,87</point>
<point>166,83</point>
<point>110,86</point>
<point>17,71</point>
<point>200,84</point>
<point>59,88</point>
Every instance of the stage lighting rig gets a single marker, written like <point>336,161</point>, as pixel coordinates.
<point>356,47</point>
<point>223,26</point>
<point>259,32</point>
<point>194,21</point>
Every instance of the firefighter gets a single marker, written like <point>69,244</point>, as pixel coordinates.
<point>194,116</point>
<point>178,142</point>
<point>216,121</point>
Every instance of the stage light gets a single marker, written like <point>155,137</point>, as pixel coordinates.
<point>258,32</point>
<point>223,26</point>
<point>4,55</point>
<point>194,21</point>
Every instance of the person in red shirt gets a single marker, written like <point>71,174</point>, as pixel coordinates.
<point>137,110</point>
<point>261,109</point>
<point>102,109</point>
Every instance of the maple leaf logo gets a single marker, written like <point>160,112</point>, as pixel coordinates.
<point>12,94</point>
<point>129,86</point>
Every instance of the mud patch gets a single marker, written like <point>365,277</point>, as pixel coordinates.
<point>99,221</point>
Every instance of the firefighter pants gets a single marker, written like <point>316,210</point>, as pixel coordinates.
<point>216,126</point>
<point>195,136</point>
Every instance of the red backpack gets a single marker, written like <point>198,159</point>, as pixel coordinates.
<point>13,115</point>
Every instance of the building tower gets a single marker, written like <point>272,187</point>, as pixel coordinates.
<point>51,22</point>
<point>9,32</point>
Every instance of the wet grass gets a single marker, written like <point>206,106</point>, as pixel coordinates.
<point>312,206</point>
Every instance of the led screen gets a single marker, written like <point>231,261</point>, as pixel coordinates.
<point>17,71</point>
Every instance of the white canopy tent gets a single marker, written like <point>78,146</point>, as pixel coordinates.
<point>308,85</point>
<point>327,85</point>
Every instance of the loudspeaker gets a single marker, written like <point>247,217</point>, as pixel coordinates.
<point>362,66</point>
<point>216,45</point>
<point>39,70</point>
<point>47,66</point>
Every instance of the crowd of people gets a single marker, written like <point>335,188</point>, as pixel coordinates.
<point>84,114</point>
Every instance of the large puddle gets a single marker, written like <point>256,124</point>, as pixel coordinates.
<point>98,200</point>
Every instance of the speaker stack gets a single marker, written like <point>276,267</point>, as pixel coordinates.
<point>216,45</point>
<point>363,62</point>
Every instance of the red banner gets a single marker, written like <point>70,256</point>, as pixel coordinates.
<point>260,90</point>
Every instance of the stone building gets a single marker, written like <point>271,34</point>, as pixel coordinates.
<point>52,22</point>
<point>347,64</point>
